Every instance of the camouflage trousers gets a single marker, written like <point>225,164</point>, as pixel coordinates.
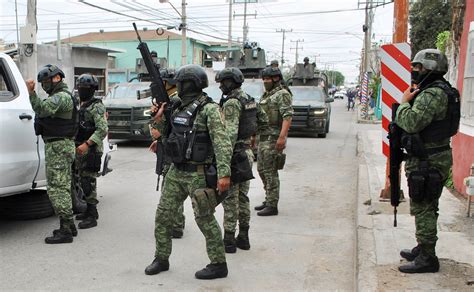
<point>59,156</point>
<point>87,180</point>
<point>267,169</point>
<point>426,221</point>
<point>179,185</point>
<point>236,204</point>
<point>180,219</point>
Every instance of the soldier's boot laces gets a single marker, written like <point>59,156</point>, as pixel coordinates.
<point>242,240</point>
<point>268,211</point>
<point>260,207</point>
<point>61,235</point>
<point>212,271</point>
<point>423,263</point>
<point>410,254</point>
<point>157,266</point>
<point>229,242</point>
<point>91,219</point>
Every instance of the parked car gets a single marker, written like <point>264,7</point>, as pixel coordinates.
<point>340,95</point>
<point>128,116</point>
<point>312,110</point>
<point>22,166</point>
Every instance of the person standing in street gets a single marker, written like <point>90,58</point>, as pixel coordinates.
<point>200,151</point>
<point>277,104</point>
<point>242,117</point>
<point>89,146</point>
<point>163,163</point>
<point>56,120</point>
<point>429,117</point>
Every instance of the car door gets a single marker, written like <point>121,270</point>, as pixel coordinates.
<point>19,150</point>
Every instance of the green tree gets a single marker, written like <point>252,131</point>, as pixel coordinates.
<point>427,19</point>
<point>335,78</point>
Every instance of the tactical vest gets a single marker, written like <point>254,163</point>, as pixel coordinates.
<point>248,116</point>
<point>59,127</point>
<point>185,144</point>
<point>447,127</point>
<point>86,128</point>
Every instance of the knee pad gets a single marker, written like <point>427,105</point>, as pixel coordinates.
<point>204,202</point>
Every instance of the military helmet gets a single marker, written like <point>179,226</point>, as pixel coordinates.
<point>306,59</point>
<point>230,73</point>
<point>431,59</point>
<point>168,75</point>
<point>153,54</point>
<point>274,62</point>
<point>48,72</point>
<point>87,80</point>
<point>271,72</point>
<point>193,73</point>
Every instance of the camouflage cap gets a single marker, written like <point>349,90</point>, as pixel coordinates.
<point>431,59</point>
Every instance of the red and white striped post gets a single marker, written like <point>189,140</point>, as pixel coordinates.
<point>396,78</point>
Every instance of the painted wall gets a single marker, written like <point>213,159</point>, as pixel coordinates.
<point>463,150</point>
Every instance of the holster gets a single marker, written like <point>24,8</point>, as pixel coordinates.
<point>93,160</point>
<point>424,185</point>
<point>210,172</point>
<point>280,160</point>
<point>241,169</point>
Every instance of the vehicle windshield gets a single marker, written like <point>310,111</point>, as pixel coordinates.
<point>309,93</point>
<point>127,91</point>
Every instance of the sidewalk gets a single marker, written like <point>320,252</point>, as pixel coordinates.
<point>379,242</point>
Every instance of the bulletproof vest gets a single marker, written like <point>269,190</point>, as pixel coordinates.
<point>86,128</point>
<point>248,116</point>
<point>185,143</point>
<point>447,127</point>
<point>59,127</point>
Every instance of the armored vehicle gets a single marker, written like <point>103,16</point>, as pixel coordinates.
<point>250,60</point>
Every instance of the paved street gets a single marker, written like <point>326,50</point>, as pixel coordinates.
<point>308,246</point>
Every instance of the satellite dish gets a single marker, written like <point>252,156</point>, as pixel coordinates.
<point>160,31</point>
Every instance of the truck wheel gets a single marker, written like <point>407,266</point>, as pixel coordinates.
<point>26,206</point>
<point>323,135</point>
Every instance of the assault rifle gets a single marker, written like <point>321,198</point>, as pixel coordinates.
<point>396,158</point>
<point>159,94</point>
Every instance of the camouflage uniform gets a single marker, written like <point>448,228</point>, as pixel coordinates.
<point>179,184</point>
<point>94,113</point>
<point>277,106</point>
<point>430,105</point>
<point>59,153</point>
<point>236,205</point>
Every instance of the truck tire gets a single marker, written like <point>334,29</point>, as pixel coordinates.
<point>322,135</point>
<point>26,206</point>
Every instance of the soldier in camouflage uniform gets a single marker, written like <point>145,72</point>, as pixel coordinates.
<point>429,116</point>
<point>276,102</point>
<point>200,151</point>
<point>242,115</point>
<point>56,122</point>
<point>163,162</point>
<point>92,131</point>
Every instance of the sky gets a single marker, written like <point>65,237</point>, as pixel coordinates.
<point>330,30</point>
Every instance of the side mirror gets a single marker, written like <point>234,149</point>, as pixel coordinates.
<point>330,99</point>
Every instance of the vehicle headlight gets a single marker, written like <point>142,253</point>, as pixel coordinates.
<point>147,113</point>
<point>319,112</point>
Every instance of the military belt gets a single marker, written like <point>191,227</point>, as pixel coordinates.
<point>49,140</point>
<point>187,167</point>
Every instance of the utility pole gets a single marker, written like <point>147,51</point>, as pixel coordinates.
<point>58,43</point>
<point>246,27</point>
<point>283,43</point>
<point>183,33</point>
<point>400,16</point>
<point>229,41</point>
<point>28,56</point>
<point>296,48</point>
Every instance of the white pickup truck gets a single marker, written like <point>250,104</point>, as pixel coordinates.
<point>22,172</point>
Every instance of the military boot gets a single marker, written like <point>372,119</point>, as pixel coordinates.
<point>229,242</point>
<point>73,228</point>
<point>268,211</point>
<point>212,271</point>
<point>410,254</point>
<point>242,240</point>
<point>157,266</point>
<point>61,235</point>
<point>261,207</point>
<point>423,263</point>
<point>91,219</point>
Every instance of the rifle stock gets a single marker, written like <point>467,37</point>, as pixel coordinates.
<point>396,158</point>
